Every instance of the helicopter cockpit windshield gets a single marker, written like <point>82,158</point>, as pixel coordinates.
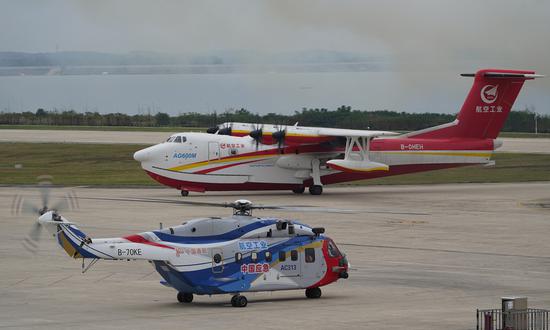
<point>332,249</point>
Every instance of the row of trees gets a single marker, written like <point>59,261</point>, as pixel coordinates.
<point>344,117</point>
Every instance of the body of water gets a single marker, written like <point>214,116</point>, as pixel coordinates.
<point>261,92</point>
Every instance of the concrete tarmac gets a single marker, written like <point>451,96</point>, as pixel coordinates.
<point>441,252</point>
<point>526,145</point>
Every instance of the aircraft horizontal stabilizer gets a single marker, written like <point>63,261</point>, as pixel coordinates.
<point>356,166</point>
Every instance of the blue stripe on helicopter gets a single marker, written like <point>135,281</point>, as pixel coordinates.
<point>80,250</point>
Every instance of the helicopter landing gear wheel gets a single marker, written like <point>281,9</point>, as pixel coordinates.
<point>184,297</point>
<point>313,293</point>
<point>239,301</point>
<point>316,190</point>
<point>299,190</point>
<point>184,193</point>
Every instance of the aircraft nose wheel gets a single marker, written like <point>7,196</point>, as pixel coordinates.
<point>184,297</point>
<point>299,190</point>
<point>239,301</point>
<point>316,190</point>
<point>313,293</point>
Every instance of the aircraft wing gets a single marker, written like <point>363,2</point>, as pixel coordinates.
<point>353,132</point>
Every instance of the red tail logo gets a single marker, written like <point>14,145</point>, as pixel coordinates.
<point>489,93</point>
<point>486,107</point>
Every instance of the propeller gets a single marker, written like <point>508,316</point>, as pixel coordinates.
<point>257,135</point>
<point>279,136</point>
<point>22,206</point>
<point>226,130</point>
<point>250,206</point>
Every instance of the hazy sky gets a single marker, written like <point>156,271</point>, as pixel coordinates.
<point>437,35</point>
<point>431,32</point>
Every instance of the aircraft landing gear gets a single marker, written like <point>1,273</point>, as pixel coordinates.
<point>184,297</point>
<point>316,190</point>
<point>299,190</point>
<point>239,301</point>
<point>313,293</point>
<point>184,193</point>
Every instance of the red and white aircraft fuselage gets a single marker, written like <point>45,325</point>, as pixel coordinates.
<point>242,156</point>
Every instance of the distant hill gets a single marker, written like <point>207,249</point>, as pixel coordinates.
<point>77,58</point>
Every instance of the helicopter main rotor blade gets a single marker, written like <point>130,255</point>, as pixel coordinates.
<point>157,200</point>
<point>294,208</point>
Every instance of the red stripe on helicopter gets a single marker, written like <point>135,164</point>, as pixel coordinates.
<point>142,240</point>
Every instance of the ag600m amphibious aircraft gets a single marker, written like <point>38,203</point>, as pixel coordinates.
<point>242,156</point>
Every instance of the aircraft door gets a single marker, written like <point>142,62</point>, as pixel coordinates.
<point>289,263</point>
<point>217,261</point>
<point>312,264</point>
<point>213,150</point>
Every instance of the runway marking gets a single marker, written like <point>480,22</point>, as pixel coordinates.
<point>60,280</point>
<point>21,281</point>
<point>104,277</point>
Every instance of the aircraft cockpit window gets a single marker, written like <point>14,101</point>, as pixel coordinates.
<point>177,139</point>
<point>310,255</point>
<point>332,249</point>
<point>183,139</point>
<point>171,139</point>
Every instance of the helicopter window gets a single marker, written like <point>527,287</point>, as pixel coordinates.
<point>291,229</point>
<point>254,256</point>
<point>293,255</point>
<point>268,256</point>
<point>217,258</point>
<point>177,139</point>
<point>332,249</point>
<point>310,255</point>
<point>282,256</point>
<point>238,257</point>
<point>281,225</point>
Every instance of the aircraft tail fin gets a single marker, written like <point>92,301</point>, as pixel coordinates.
<point>486,107</point>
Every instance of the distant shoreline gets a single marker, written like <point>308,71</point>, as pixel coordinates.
<point>191,69</point>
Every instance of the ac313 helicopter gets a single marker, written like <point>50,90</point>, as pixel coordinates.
<point>215,255</point>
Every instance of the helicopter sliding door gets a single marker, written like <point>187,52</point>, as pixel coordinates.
<point>289,264</point>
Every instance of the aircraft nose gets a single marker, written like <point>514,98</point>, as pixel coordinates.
<point>142,155</point>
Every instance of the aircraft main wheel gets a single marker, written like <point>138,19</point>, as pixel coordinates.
<point>299,190</point>
<point>313,293</point>
<point>239,301</point>
<point>184,193</point>
<point>184,297</point>
<point>316,190</point>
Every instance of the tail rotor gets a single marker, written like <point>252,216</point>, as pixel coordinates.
<point>21,206</point>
